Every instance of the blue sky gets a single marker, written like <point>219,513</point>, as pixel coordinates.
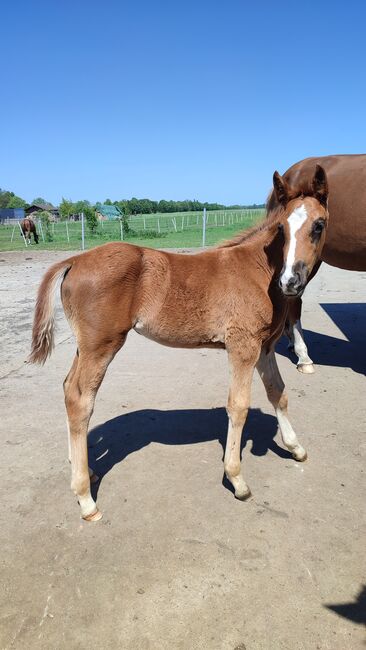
<point>175,100</point>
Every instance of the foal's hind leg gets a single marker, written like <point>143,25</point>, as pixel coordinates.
<point>67,383</point>
<point>237,410</point>
<point>275,388</point>
<point>80,391</point>
<point>93,477</point>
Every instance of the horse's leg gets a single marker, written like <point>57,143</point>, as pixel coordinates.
<point>93,477</point>
<point>295,334</point>
<point>80,392</point>
<point>275,388</point>
<point>67,382</point>
<point>237,409</point>
<point>304,363</point>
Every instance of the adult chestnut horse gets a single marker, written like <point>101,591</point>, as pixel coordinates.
<point>28,227</point>
<point>345,242</point>
<point>234,297</point>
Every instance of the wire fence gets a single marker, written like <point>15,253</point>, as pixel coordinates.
<point>172,230</point>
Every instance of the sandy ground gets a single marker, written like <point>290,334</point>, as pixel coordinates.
<point>177,562</point>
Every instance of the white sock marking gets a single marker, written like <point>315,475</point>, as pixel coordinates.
<point>300,346</point>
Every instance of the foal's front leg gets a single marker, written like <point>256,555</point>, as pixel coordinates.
<point>241,370</point>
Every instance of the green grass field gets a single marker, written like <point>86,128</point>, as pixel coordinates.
<point>174,230</point>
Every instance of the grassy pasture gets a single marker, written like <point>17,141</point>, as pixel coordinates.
<point>173,230</point>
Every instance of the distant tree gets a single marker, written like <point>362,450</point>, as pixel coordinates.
<point>134,206</point>
<point>124,206</point>
<point>10,200</point>
<point>66,209</point>
<point>44,216</point>
<point>91,217</point>
<point>16,202</point>
<point>39,200</point>
<point>5,197</point>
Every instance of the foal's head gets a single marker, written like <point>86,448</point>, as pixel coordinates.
<point>304,220</point>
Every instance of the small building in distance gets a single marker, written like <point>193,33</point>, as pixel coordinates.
<point>11,214</point>
<point>107,212</point>
<point>42,207</point>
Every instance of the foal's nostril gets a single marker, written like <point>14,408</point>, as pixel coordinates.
<point>297,279</point>
<point>293,282</point>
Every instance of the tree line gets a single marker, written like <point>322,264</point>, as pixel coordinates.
<point>11,200</point>
<point>127,206</point>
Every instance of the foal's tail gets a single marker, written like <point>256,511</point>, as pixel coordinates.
<point>44,320</point>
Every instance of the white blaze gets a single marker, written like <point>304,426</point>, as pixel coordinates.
<point>295,221</point>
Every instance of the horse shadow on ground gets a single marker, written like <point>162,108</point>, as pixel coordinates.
<point>111,442</point>
<point>356,611</point>
<point>325,350</point>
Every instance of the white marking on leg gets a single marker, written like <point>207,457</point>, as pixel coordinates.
<point>68,438</point>
<point>300,346</point>
<point>289,436</point>
<point>296,219</point>
<point>80,482</point>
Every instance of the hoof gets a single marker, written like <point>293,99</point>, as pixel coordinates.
<point>94,478</point>
<point>94,516</point>
<point>306,368</point>
<point>300,456</point>
<point>243,495</point>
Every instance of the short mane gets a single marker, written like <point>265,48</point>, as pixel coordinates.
<point>274,211</point>
<point>252,232</point>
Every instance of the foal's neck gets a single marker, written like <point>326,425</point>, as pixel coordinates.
<point>267,248</point>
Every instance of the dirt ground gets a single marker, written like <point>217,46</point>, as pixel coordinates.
<point>177,562</point>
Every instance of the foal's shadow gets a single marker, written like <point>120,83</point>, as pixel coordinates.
<point>112,441</point>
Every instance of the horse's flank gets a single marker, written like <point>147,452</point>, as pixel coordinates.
<point>28,228</point>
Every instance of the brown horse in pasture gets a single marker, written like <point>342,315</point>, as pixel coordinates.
<point>28,228</point>
<point>345,241</point>
<point>234,296</point>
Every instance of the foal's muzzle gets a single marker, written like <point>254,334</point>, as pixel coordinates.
<point>293,284</point>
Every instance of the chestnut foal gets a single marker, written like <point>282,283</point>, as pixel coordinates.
<point>234,297</point>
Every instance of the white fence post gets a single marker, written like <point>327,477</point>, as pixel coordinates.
<point>67,232</point>
<point>20,228</point>
<point>121,228</point>
<point>82,232</point>
<point>204,228</point>
<point>41,228</point>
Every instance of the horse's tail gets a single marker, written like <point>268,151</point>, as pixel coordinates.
<point>44,320</point>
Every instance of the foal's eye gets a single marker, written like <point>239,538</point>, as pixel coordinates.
<point>318,227</point>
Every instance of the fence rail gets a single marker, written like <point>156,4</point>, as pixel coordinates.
<point>180,229</point>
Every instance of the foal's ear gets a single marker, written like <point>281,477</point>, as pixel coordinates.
<point>320,186</point>
<point>281,189</point>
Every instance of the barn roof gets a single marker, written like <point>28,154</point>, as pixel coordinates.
<point>108,211</point>
<point>41,206</point>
